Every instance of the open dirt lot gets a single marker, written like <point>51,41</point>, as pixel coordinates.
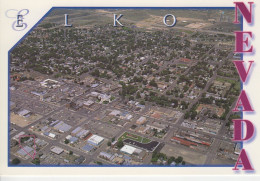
<point>189,156</point>
<point>21,121</point>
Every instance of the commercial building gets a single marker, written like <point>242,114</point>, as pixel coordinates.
<point>106,155</point>
<point>115,113</point>
<point>57,150</point>
<point>24,151</point>
<point>87,148</point>
<point>76,130</point>
<point>95,140</point>
<point>80,160</point>
<point>104,97</point>
<point>83,133</point>
<point>128,149</point>
<point>49,83</point>
<point>24,113</point>
<point>157,126</point>
<point>141,120</point>
<point>88,103</point>
<point>62,127</point>
<point>72,139</point>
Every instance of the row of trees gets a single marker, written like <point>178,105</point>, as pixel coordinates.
<point>169,160</point>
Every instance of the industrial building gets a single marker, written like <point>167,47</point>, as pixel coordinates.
<point>24,113</point>
<point>80,132</point>
<point>57,150</point>
<point>128,149</point>
<point>141,120</point>
<point>25,151</point>
<point>95,140</point>
<point>88,148</point>
<point>62,127</point>
<point>106,156</point>
<point>72,139</point>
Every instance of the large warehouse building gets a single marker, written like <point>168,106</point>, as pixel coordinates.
<point>95,140</point>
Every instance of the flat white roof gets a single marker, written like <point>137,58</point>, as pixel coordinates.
<point>95,93</point>
<point>96,139</point>
<point>115,112</point>
<point>94,85</point>
<point>52,135</point>
<point>18,135</point>
<point>88,103</point>
<point>128,149</point>
<point>50,80</point>
<point>57,150</point>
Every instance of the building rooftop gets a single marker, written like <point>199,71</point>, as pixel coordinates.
<point>25,150</point>
<point>88,103</point>
<point>23,112</point>
<point>87,147</point>
<point>63,127</point>
<point>128,149</point>
<point>105,154</point>
<point>57,150</point>
<point>96,139</point>
<point>141,120</point>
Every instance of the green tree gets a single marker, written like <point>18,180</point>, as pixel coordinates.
<point>99,163</point>
<point>179,159</point>
<point>36,161</point>
<point>170,160</point>
<point>120,144</point>
<point>16,161</point>
<point>193,114</point>
<point>66,141</point>
<point>142,102</point>
<point>185,88</point>
<point>186,116</point>
<point>138,96</point>
<point>154,159</point>
<point>131,98</point>
<point>153,83</point>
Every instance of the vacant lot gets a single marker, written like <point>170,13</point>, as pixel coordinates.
<point>105,130</point>
<point>189,156</point>
<point>22,121</point>
<point>221,161</point>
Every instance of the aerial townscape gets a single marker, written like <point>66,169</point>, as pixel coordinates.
<point>142,94</point>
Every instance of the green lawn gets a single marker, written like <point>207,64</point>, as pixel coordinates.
<point>127,135</point>
<point>237,83</point>
<point>182,65</point>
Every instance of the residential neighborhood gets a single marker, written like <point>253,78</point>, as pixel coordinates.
<point>141,95</point>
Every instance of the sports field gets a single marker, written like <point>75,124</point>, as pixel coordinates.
<point>134,137</point>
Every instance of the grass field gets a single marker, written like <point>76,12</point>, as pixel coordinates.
<point>182,65</point>
<point>237,83</point>
<point>134,137</point>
